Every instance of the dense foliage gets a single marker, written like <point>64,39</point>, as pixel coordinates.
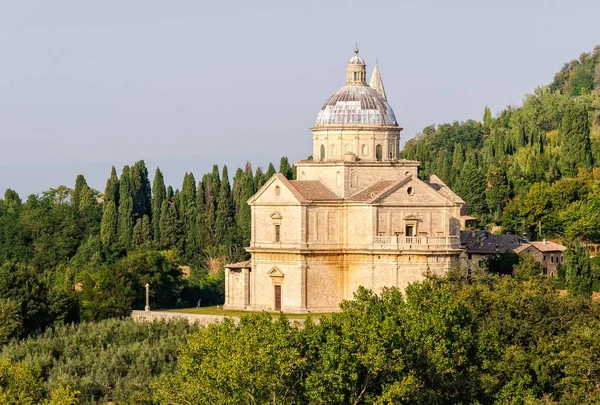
<point>71,254</point>
<point>535,164</point>
<point>111,360</point>
<point>485,340</point>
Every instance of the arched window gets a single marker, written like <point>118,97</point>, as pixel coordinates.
<point>322,152</point>
<point>364,149</point>
<point>378,152</point>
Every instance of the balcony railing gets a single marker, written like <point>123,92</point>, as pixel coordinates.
<point>417,242</point>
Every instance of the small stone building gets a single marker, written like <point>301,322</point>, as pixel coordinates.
<point>357,215</point>
<point>548,254</point>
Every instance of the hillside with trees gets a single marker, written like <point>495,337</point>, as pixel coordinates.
<point>537,164</point>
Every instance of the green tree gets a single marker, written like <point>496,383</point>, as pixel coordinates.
<point>578,272</point>
<point>225,230</point>
<point>270,171</point>
<point>496,193</point>
<point>77,193</point>
<point>141,193</point>
<point>109,226</point>
<point>575,133</point>
<point>285,168</point>
<point>125,229</point>
<point>10,320</point>
<point>111,191</point>
<point>170,226</point>
<point>159,194</point>
<point>470,185</point>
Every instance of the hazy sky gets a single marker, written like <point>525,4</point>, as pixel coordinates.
<point>185,84</point>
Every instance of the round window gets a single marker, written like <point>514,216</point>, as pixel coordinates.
<point>277,190</point>
<point>410,191</point>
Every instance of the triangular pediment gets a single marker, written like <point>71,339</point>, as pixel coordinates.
<point>277,191</point>
<point>411,191</point>
<point>275,272</point>
<point>411,217</point>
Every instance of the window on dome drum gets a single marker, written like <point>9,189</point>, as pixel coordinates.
<point>378,152</point>
<point>277,233</point>
<point>355,76</point>
<point>322,152</point>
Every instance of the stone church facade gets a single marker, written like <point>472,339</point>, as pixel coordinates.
<point>357,215</point>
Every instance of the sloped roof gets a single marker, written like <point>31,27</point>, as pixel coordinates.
<point>367,193</point>
<point>314,190</point>
<point>543,246</point>
<point>482,242</point>
<point>240,265</point>
<point>438,185</point>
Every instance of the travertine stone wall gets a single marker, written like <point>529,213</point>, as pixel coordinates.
<point>361,140</point>
<point>348,178</point>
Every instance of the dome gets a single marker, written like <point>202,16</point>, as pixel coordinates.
<point>356,60</point>
<point>356,105</point>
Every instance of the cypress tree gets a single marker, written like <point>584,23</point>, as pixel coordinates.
<point>578,276</point>
<point>111,191</point>
<point>471,185</point>
<point>212,185</point>
<point>244,215</point>
<point>259,178</point>
<point>496,193</point>
<point>575,134</point>
<point>224,221</point>
<point>236,188</point>
<point>285,168</point>
<point>170,193</point>
<point>87,198</point>
<point>140,190</point>
<point>78,191</point>
<point>125,188</point>
<point>458,161</point>
<point>109,226</point>
<point>159,195</point>
<point>270,171</point>
<point>125,230</point>
<point>142,232</point>
<point>170,227</point>
<point>187,197</point>
<point>188,212</point>
<point>137,238</point>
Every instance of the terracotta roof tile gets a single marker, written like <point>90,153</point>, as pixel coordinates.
<point>240,265</point>
<point>371,191</point>
<point>314,190</point>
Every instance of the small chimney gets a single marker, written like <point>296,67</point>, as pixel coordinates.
<point>544,241</point>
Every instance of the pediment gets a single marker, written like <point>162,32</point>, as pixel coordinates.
<point>411,191</point>
<point>275,272</point>
<point>276,191</point>
<point>411,217</point>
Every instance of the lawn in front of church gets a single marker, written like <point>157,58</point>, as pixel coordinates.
<point>218,310</point>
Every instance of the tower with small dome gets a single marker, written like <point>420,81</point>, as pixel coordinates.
<point>356,215</point>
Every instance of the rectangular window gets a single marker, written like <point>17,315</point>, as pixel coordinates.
<point>551,259</point>
<point>277,233</point>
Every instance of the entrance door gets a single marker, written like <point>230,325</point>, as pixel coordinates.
<point>277,298</point>
<point>409,231</point>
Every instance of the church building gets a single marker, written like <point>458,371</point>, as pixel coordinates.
<point>357,215</point>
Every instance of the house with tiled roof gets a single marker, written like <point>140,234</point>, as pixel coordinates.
<point>478,246</point>
<point>357,215</point>
<point>548,254</point>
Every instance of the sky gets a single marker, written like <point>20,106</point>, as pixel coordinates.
<point>187,84</point>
